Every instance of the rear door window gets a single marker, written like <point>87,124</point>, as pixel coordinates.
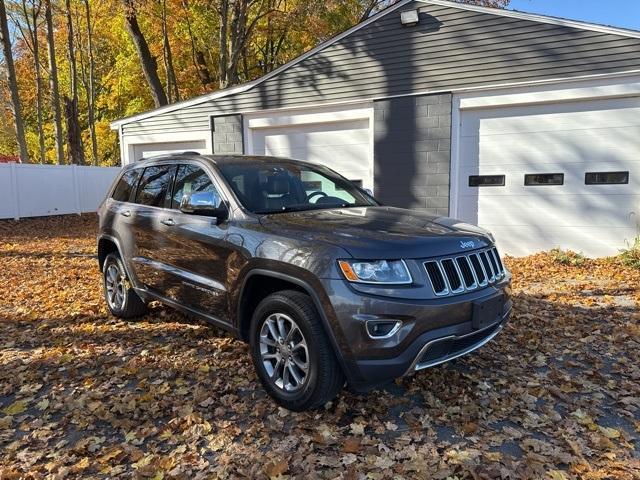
<point>155,186</point>
<point>126,185</point>
<point>190,179</point>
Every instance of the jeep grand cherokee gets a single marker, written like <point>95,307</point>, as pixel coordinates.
<point>325,284</point>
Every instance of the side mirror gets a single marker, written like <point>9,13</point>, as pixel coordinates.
<point>208,204</point>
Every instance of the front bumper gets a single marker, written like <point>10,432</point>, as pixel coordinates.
<point>432,332</point>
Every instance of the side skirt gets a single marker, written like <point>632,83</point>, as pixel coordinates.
<point>149,295</point>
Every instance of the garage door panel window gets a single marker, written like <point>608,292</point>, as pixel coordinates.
<point>543,179</point>
<point>486,180</point>
<point>154,186</point>
<point>606,178</point>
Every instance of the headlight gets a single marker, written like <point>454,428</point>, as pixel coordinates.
<point>390,272</point>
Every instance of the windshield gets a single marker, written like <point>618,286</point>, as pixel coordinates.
<point>284,187</point>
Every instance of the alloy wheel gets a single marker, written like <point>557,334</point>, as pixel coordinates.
<point>115,286</point>
<point>284,352</point>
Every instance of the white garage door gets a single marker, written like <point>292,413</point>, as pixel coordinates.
<point>344,146</point>
<point>146,150</point>
<point>570,138</point>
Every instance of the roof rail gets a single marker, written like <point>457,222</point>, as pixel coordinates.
<point>189,152</point>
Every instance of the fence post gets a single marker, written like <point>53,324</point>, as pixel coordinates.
<point>76,188</point>
<point>13,176</point>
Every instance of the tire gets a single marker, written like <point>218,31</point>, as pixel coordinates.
<point>323,378</point>
<point>126,304</point>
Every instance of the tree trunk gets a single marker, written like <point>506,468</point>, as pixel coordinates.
<point>74,139</point>
<point>172,84</point>
<point>147,61</point>
<point>91,89</point>
<point>31,17</point>
<point>74,136</point>
<point>223,46</point>
<point>13,85</point>
<point>198,57</point>
<point>53,84</point>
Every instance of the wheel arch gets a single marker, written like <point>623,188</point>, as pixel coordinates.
<point>245,309</point>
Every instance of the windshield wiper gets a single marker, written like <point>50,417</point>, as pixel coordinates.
<point>300,208</point>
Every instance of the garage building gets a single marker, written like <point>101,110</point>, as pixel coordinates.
<point>524,124</point>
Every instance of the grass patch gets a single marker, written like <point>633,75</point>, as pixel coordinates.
<point>631,256</point>
<point>567,257</point>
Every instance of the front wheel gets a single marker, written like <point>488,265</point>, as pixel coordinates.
<point>292,354</point>
<point>122,300</point>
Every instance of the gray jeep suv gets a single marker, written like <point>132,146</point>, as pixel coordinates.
<point>324,283</point>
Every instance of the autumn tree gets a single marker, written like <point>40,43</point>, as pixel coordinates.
<point>54,84</point>
<point>13,84</point>
<point>148,61</point>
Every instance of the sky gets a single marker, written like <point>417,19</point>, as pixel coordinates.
<point>617,13</point>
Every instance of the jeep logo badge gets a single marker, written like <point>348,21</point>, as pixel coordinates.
<point>469,244</point>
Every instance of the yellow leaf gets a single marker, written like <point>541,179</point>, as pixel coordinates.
<point>275,469</point>
<point>81,465</point>
<point>493,456</point>
<point>5,422</point>
<point>43,404</point>
<point>16,408</point>
<point>557,475</point>
<point>609,432</point>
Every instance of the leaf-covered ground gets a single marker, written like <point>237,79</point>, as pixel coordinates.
<point>556,394</point>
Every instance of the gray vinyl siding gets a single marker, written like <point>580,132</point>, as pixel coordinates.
<point>450,48</point>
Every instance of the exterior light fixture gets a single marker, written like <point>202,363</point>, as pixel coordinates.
<point>409,18</point>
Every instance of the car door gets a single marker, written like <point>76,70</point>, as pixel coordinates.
<point>196,249</point>
<point>147,213</point>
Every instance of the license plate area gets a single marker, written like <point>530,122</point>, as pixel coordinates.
<point>487,312</point>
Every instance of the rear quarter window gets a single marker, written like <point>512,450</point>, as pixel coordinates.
<point>125,187</point>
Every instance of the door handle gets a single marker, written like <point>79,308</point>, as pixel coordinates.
<point>125,213</point>
<point>168,222</point>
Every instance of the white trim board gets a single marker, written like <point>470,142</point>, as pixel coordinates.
<point>129,142</point>
<point>568,91</point>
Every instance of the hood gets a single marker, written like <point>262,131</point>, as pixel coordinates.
<point>380,232</point>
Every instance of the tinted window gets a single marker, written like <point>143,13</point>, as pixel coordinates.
<point>126,185</point>
<point>533,179</point>
<point>486,181</point>
<point>155,185</point>
<point>606,178</point>
<point>190,178</point>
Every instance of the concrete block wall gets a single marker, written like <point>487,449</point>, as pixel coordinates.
<point>412,152</point>
<point>227,134</point>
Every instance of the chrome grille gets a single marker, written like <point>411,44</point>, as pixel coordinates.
<point>454,275</point>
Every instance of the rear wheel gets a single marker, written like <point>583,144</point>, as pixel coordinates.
<point>291,352</point>
<point>122,300</point>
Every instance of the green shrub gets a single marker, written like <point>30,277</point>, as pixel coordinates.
<point>567,257</point>
<point>630,256</point>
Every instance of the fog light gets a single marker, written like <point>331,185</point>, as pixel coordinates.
<point>383,328</point>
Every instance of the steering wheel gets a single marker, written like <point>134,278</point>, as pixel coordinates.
<point>316,194</point>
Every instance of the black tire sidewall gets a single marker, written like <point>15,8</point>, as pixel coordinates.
<point>280,304</point>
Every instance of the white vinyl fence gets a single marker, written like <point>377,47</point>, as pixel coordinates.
<point>38,190</point>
